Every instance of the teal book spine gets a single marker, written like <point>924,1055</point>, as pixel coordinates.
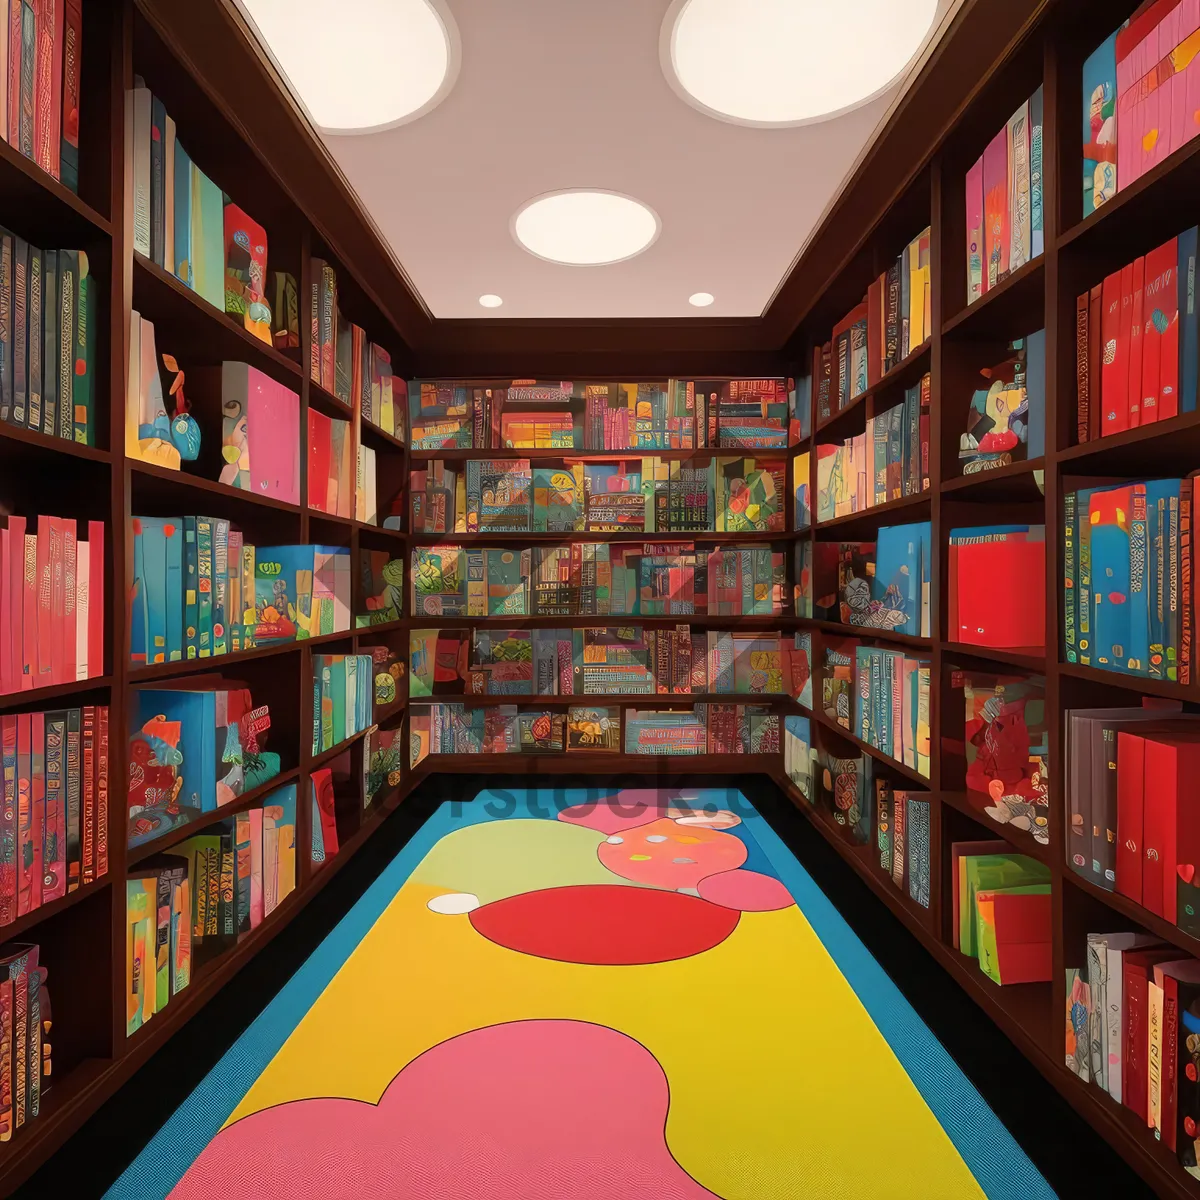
<point>68,290</point>
<point>209,269</point>
<point>174,590</point>
<point>1037,231</point>
<point>316,703</point>
<point>84,384</point>
<point>1174,582</point>
<point>1070,580</point>
<point>191,586</point>
<point>862,696</point>
<point>182,266</point>
<point>327,731</point>
<point>204,585</point>
<point>154,557</point>
<point>220,584</point>
<point>337,686</point>
<point>1137,640</point>
<point>138,644</point>
<point>50,348</point>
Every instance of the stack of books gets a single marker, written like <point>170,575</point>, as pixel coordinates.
<point>342,688</point>
<point>1005,228</point>
<point>902,825</point>
<point>892,705</point>
<point>54,822</point>
<point>25,1023</point>
<point>51,603</point>
<point>47,340</point>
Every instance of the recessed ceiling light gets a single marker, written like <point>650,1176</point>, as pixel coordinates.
<point>701,299</point>
<point>379,63</point>
<point>585,228</point>
<point>788,62</point>
<point>490,300</point>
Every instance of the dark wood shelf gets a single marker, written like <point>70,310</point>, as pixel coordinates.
<point>315,514</point>
<point>22,926</point>
<point>647,700</point>
<point>1027,658</point>
<point>327,403</point>
<point>1015,482</point>
<point>29,439</point>
<point>187,326</point>
<point>1018,839</point>
<point>518,540</point>
<point>852,524</point>
<point>886,760</point>
<point>39,208</point>
<point>903,640</point>
<point>379,439</point>
<point>1013,307</point>
<point>321,758</point>
<point>1149,921</point>
<point>196,489</point>
<point>147,674</point>
<point>397,536</point>
<point>73,693</point>
<point>248,800</point>
<point>1167,688</point>
<point>1155,450</point>
<point>904,374</point>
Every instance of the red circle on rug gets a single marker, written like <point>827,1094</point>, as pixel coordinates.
<point>602,925</point>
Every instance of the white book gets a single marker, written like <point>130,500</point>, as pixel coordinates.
<point>351,729</point>
<point>169,195</point>
<point>83,667</point>
<point>1020,238</point>
<point>1115,945</point>
<point>141,102</point>
<point>372,503</point>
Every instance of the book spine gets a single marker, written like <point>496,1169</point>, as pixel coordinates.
<point>101,791</point>
<point>8,822</point>
<point>88,847</point>
<point>1186,614</point>
<point>204,586</point>
<point>1082,379</point>
<point>69,146</point>
<point>74,783</point>
<point>33,408</point>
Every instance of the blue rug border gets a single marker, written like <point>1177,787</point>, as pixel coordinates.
<point>991,1153</point>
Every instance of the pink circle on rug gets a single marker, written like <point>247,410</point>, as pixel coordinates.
<point>537,1109</point>
<point>746,891</point>
<point>666,854</point>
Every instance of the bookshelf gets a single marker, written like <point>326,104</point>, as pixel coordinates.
<point>249,136</point>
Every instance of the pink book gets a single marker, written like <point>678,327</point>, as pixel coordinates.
<point>1136,319</point>
<point>976,276</point>
<point>96,599</point>
<point>70,565</point>
<point>29,606</point>
<point>8,623</point>
<point>274,432</point>
<point>995,208</point>
<point>256,867</point>
<point>37,805</point>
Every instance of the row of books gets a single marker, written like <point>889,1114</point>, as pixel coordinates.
<point>643,495</point>
<point>346,363</point>
<point>331,465</point>
<point>1006,749</point>
<point>1006,420</point>
<point>1005,227</point>
<point>184,223</point>
<point>1001,913</point>
<point>47,340</point>
<point>883,584</point>
<point>894,318</point>
<point>192,750</point>
<point>598,579</point>
<point>1132,1017</point>
<point>342,698</point>
<point>1136,342</point>
<point>902,827</point>
<point>1132,826</point>
<point>889,461</point>
<point>449,728</point>
<point>626,661</point>
<point>676,414</point>
<point>40,48</point>
<point>1127,578</point>
<point>195,900</point>
<point>1138,98</point>
<point>891,704</point>
<point>52,599</point>
<point>26,1019</point>
<point>54,820</point>
<point>997,578</point>
<point>200,590</point>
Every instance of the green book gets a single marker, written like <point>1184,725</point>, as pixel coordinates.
<point>68,287</point>
<point>989,873</point>
<point>204,586</point>
<point>208,239</point>
<point>85,354</point>
<point>337,686</point>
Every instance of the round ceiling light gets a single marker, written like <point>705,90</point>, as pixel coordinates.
<point>490,300</point>
<point>585,228</point>
<point>378,64</point>
<point>700,299</point>
<point>788,62</point>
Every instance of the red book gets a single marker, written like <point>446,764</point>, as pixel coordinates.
<point>70,650</point>
<point>874,331</point>
<point>322,785</point>
<point>58,600</point>
<point>982,618</point>
<point>1095,362</point>
<point>1137,287</point>
<point>1170,820</point>
<point>1160,333</point>
<point>43,78</point>
<point>101,791</point>
<point>72,46</point>
<point>13,629</point>
<point>319,447</point>
<point>24,813</point>
<point>1135,1077</point>
<point>1131,766</point>
<point>47,534</point>
<point>96,598</point>
<point>87,819</point>
<point>1023,947</point>
<point>37,803</point>
<point>1168,976</point>
<point>8,822</point>
<point>9,625</point>
<point>1114,354</point>
<point>14,75</point>
<point>56,85</point>
<point>29,606</point>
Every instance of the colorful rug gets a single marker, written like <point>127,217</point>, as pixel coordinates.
<point>630,996</point>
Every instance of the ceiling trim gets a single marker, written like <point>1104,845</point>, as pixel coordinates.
<point>213,39</point>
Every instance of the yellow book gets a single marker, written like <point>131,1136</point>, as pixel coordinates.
<point>916,296</point>
<point>1154,995</point>
<point>460,502</point>
<point>140,929</point>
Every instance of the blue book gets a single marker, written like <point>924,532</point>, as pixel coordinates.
<point>175,606</point>
<point>1100,125</point>
<point>191,583</point>
<point>925,529</point>
<point>1111,522</point>
<point>897,582</point>
<point>1035,393</point>
<point>220,585</point>
<point>1189,342</point>
<point>182,266</point>
<point>196,713</point>
<point>1162,561</point>
<point>154,560</point>
<point>337,688</point>
<point>138,646</point>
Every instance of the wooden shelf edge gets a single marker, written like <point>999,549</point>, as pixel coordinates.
<point>1022,275</point>
<point>909,640</point>
<point>55,445</point>
<point>210,487</point>
<point>320,758</point>
<point>878,755</point>
<point>58,691</point>
<point>873,510</point>
<point>1023,843</point>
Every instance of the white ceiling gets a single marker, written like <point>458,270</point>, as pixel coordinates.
<point>556,94</point>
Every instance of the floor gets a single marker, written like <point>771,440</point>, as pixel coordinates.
<point>605,995</point>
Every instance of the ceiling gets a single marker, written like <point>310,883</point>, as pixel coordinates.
<point>564,94</point>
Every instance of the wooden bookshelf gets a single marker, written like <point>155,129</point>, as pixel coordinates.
<point>241,127</point>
